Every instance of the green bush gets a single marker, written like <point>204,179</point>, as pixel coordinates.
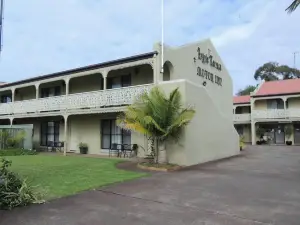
<point>14,191</point>
<point>16,152</point>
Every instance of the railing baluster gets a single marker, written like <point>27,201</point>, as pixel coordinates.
<point>95,99</point>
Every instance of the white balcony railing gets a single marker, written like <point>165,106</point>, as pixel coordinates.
<point>95,99</point>
<point>269,114</point>
<point>293,113</point>
<point>242,117</point>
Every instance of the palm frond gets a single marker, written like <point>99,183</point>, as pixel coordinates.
<point>293,6</point>
<point>157,115</point>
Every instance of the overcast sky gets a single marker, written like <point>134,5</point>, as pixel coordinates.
<point>46,36</point>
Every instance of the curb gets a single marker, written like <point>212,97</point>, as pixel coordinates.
<point>175,168</point>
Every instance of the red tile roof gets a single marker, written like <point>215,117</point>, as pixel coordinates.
<point>279,87</point>
<point>241,99</point>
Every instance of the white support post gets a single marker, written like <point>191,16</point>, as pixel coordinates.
<point>66,134</point>
<point>253,133</point>
<point>104,75</point>
<point>67,81</point>
<point>37,91</point>
<point>12,94</point>
<point>284,107</point>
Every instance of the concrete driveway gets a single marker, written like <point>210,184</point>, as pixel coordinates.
<point>261,187</point>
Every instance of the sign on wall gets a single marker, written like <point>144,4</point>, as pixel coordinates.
<point>209,60</point>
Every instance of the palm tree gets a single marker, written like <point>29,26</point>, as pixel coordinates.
<point>157,116</point>
<point>293,6</point>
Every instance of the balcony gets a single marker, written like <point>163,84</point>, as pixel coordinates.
<point>75,102</point>
<point>269,114</point>
<point>241,118</point>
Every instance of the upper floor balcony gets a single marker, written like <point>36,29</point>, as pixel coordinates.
<point>242,114</point>
<point>72,103</point>
<point>242,118</point>
<point>286,107</point>
<point>98,90</point>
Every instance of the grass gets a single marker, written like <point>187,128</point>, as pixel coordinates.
<point>58,176</point>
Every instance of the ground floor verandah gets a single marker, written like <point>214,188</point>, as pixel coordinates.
<point>275,133</point>
<point>98,131</point>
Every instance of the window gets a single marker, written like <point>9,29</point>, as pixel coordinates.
<point>49,92</point>
<point>5,99</point>
<point>118,82</point>
<point>275,104</point>
<point>240,130</point>
<point>112,134</point>
<point>49,132</point>
<point>238,110</point>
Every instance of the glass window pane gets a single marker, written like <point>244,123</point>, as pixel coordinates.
<point>116,139</point>
<point>116,82</point>
<point>105,126</point>
<point>114,128</point>
<point>105,141</point>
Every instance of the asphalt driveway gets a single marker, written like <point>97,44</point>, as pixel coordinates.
<point>261,187</point>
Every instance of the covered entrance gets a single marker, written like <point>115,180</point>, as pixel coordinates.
<point>275,133</point>
<point>297,134</point>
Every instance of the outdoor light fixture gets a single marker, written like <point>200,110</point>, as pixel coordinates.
<point>204,83</point>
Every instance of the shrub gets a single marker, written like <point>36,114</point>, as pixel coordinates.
<point>10,139</point>
<point>14,191</point>
<point>242,143</point>
<point>16,152</point>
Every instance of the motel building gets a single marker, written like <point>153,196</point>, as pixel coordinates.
<point>81,105</point>
<point>273,106</point>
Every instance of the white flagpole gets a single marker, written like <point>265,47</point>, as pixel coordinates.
<point>162,36</point>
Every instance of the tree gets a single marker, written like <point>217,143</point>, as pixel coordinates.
<point>247,90</point>
<point>266,72</point>
<point>158,116</point>
<point>273,71</point>
<point>293,6</point>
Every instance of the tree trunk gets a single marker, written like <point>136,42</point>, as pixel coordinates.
<point>162,155</point>
<point>156,150</point>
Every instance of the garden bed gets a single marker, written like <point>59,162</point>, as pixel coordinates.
<point>16,152</point>
<point>158,167</point>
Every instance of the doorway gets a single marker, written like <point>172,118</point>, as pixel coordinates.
<point>297,134</point>
<point>275,132</point>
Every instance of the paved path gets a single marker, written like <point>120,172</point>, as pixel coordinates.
<point>262,187</point>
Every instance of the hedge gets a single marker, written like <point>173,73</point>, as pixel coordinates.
<point>16,152</point>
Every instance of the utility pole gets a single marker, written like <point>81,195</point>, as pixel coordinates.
<point>295,54</point>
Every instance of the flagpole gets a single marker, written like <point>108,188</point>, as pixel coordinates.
<point>162,36</point>
<point>1,24</point>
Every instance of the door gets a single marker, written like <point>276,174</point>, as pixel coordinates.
<point>279,135</point>
<point>297,134</point>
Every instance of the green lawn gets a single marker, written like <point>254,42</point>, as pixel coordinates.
<point>57,176</point>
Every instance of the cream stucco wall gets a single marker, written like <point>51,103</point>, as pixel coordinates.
<point>205,137</point>
<point>87,129</point>
<point>294,103</point>
<point>85,83</point>
<point>185,63</point>
<point>144,75</point>
<point>260,104</point>
<point>25,93</point>
<point>247,133</point>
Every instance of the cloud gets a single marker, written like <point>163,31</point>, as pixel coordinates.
<point>43,36</point>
